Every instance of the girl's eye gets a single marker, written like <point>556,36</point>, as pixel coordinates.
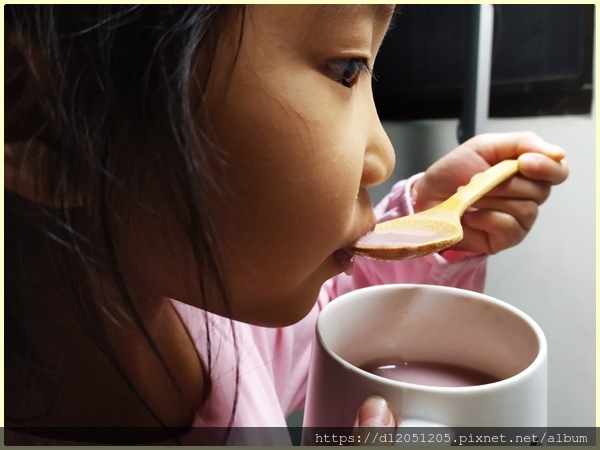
<point>347,71</point>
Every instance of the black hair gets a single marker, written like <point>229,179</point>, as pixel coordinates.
<point>102,75</point>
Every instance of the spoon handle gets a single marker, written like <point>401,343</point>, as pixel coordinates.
<point>481,184</point>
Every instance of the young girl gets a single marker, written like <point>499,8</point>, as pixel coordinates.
<point>181,185</point>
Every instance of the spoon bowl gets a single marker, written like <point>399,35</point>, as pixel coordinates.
<point>435,229</point>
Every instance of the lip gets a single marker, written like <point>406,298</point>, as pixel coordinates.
<point>345,260</point>
<point>345,256</point>
<point>364,230</point>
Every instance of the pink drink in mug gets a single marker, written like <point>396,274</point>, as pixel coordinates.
<point>448,332</point>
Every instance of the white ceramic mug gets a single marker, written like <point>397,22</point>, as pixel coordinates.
<point>427,323</point>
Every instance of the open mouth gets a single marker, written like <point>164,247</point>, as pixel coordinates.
<point>345,260</point>
<point>345,255</point>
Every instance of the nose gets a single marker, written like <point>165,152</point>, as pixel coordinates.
<point>379,155</point>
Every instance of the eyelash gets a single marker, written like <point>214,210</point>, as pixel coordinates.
<point>347,71</point>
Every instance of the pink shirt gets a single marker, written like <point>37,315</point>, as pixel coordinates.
<point>273,362</point>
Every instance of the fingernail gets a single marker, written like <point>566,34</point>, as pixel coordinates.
<point>375,413</point>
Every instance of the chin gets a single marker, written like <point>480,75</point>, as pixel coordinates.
<point>286,310</point>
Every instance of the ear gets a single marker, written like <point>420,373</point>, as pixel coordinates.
<point>22,118</point>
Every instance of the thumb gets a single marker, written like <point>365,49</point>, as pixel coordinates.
<point>375,412</point>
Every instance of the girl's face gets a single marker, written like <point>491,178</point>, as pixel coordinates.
<point>298,121</point>
<point>291,105</point>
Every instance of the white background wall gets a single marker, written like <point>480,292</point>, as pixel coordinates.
<point>551,274</point>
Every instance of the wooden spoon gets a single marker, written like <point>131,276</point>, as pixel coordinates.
<point>435,229</point>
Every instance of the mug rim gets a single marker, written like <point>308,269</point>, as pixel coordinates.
<point>478,296</point>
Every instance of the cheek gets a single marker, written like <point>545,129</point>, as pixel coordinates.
<point>284,184</point>
<point>290,202</point>
<point>292,170</point>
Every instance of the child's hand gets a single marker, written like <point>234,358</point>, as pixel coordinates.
<point>374,412</point>
<point>505,215</point>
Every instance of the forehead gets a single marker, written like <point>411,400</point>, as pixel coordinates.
<point>308,18</point>
<point>379,14</point>
<point>354,20</point>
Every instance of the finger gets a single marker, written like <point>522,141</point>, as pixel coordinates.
<point>524,211</point>
<point>519,187</point>
<point>375,412</point>
<point>496,147</point>
<point>540,167</point>
<point>490,232</point>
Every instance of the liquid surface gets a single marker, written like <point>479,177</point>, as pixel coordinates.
<point>400,238</point>
<point>430,373</point>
